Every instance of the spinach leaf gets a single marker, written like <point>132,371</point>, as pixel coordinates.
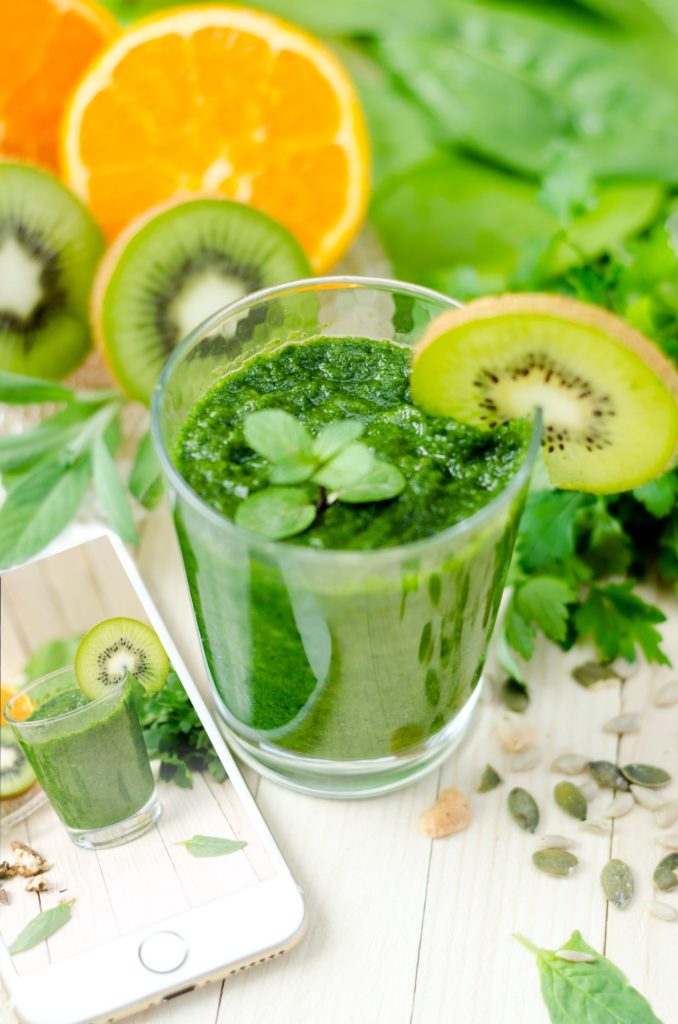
<point>42,926</point>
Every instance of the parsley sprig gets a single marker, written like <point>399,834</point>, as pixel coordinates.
<point>333,466</point>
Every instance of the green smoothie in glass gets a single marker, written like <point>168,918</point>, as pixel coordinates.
<point>344,659</point>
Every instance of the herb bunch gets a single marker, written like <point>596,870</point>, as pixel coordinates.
<point>333,466</point>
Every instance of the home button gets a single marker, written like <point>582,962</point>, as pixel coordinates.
<point>163,952</point>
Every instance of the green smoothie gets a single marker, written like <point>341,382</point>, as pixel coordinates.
<point>374,645</point>
<point>89,756</point>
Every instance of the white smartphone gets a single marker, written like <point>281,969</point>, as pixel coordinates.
<point>150,921</point>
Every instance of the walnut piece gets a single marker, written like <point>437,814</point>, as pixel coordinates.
<point>7,870</point>
<point>36,885</point>
<point>4,896</point>
<point>450,813</point>
<point>28,862</point>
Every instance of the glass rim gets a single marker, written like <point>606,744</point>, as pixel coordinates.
<point>23,691</point>
<point>304,554</point>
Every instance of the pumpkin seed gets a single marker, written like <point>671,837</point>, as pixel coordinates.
<point>555,843</point>
<point>575,956</point>
<point>570,799</point>
<point>664,911</point>
<point>669,842</point>
<point>666,873</point>
<point>667,814</point>
<point>589,789</point>
<point>525,760</point>
<point>607,775</point>
<point>617,882</point>
<point>667,695</point>
<point>599,826</point>
<point>646,775</point>
<point>555,862</point>
<point>592,673</point>
<point>647,798</point>
<point>490,779</point>
<point>523,809</point>
<point>569,764</point>
<point>622,724</point>
<point>515,732</point>
<point>620,805</point>
<point>625,668</point>
<point>514,696</point>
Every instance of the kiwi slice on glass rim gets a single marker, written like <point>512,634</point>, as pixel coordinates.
<point>118,647</point>
<point>49,248</point>
<point>608,395</point>
<point>16,774</point>
<point>173,268</point>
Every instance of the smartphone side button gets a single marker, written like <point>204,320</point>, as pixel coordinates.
<point>163,952</point>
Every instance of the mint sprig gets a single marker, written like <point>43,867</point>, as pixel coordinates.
<point>333,466</point>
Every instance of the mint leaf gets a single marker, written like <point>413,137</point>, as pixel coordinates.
<point>595,992</point>
<point>345,469</point>
<point>54,434</point>
<point>276,512</point>
<point>111,492</point>
<point>544,600</point>
<point>145,482</point>
<point>382,482</point>
<point>212,846</point>
<point>42,926</point>
<point>295,469</point>
<point>618,620</point>
<point>16,389</point>
<point>276,435</point>
<point>336,436</point>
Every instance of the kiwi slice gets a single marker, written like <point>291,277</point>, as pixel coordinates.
<point>49,248</point>
<point>115,648</point>
<point>175,267</point>
<point>609,397</point>
<point>16,774</point>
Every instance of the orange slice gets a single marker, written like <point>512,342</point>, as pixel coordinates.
<point>22,708</point>
<point>228,101</point>
<point>45,45</point>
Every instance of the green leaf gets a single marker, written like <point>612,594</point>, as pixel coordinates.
<point>547,528</point>
<point>276,435</point>
<point>335,437</point>
<point>39,507</point>
<point>594,992</point>
<point>293,470</point>
<point>145,481</point>
<point>618,620</point>
<point>54,434</point>
<point>660,496</point>
<point>345,469</point>
<point>111,492</point>
<point>276,512</point>
<point>544,600</point>
<point>50,656</point>
<point>42,926</point>
<point>212,846</point>
<point>381,483</point>
<point>519,634</point>
<point>16,389</point>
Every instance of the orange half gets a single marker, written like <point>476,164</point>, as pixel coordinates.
<point>45,45</point>
<point>22,708</point>
<point>227,101</point>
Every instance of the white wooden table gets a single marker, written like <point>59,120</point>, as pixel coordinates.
<point>408,931</point>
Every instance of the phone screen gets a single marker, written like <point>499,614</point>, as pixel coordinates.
<point>46,607</point>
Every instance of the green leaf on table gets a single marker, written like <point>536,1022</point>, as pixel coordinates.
<point>212,846</point>
<point>50,657</point>
<point>145,480</point>
<point>276,512</point>
<point>544,600</point>
<point>618,620</point>
<point>593,991</point>
<point>16,389</point>
<point>345,469</point>
<point>111,492</point>
<point>382,482</point>
<point>335,437</point>
<point>42,926</point>
<point>277,435</point>
<point>39,507</point>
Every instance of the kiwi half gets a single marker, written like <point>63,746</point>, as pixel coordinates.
<point>609,397</point>
<point>118,647</point>
<point>49,249</point>
<point>16,774</point>
<point>172,269</point>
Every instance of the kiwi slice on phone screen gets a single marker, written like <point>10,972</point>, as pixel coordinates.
<point>173,268</point>
<point>49,249</point>
<point>16,774</point>
<point>118,647</point>
<point>608,395</point>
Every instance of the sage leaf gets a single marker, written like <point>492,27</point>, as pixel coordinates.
<point>593,991</point>
<point>295,469</point>
<point>346,469</point>
<point>277,435</point>
<point>276,512</point>
<point>39,507</point>
<point>336,436</point>
<point>381,483</point>
<point>16,389</point>
<point>145,481</point>
<point>211,846</point>
<point>111,492</point>
<point>42,926</point>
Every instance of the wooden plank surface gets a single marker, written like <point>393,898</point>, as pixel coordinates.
<point>408,931</point>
